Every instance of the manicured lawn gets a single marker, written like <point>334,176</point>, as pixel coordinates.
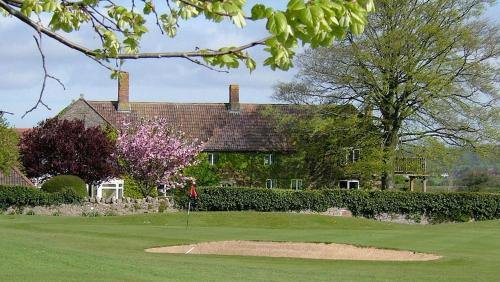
<point>49,248</point>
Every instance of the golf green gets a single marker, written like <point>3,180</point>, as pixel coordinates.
<point>53,248</point>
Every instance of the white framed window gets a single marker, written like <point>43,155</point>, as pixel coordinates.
<point>349,184</point>
<point>111,188</point>
<point>268,159</point>
<point>271,183</point>
<point>211,158</point>
<point>352,155</point>
<point>296,184</point>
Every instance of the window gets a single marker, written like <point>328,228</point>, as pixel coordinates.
<point>112,188</point>
<point>296,184</point>
<point>271,183</point>
<point>211,158</point>
<point>349,184</point>
<point>268,159</point>
<point>352,155</point>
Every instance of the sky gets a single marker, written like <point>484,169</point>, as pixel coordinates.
<point>162,80</point>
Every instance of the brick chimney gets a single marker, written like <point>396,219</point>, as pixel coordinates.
<point>234,98</point>
<point>123,92</point>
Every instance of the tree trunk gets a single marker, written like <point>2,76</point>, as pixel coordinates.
<point>390,144</point>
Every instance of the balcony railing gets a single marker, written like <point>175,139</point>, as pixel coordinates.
<point>410,165</point>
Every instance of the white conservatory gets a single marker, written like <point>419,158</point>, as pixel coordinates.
<point>109,189</point>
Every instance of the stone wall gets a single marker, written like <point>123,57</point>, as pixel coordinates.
<point>128,206</point>
<point>93,207</point>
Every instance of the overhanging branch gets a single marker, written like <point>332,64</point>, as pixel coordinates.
<point>146,55</point>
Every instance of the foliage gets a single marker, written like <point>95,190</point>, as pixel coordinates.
<point>436,206</point>
<point>121,27</point>
<point>131,189</point>
<point>424,68</point>
<point>28,196</point>
<point>9,153</point>
<point>479,180</point>
<point>57,147</point>
<point>61,183</point>
<point>204,173</point>
<point>245,169</point>
<point>325,138</point>
<point>153,154</point>
<point>475,168</point>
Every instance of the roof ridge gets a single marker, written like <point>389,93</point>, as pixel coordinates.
<point>190,103</point>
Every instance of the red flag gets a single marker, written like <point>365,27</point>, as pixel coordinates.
<point>193,193</point>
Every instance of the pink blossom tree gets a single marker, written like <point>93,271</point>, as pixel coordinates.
<point>153,153</point>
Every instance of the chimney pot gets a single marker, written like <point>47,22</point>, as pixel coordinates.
<point>123,92</point>
<point>234,97</point>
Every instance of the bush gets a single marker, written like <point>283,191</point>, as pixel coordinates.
<point>436,206</point>
<point>20,196</point>
<point>63,183</point>
<point>131,189</point>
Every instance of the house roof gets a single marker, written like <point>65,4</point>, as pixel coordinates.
<point>21,131</point>
<point>249,129</point>
<point>14,177</point>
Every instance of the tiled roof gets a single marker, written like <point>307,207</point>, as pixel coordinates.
<point>14,177</point>
<point>21,131</point>
<point>249,129</point>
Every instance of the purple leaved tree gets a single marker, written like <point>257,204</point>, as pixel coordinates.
<point>153,153</point>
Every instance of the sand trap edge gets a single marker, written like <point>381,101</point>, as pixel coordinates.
<point>330,251</point>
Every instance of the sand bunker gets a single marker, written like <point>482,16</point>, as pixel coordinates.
<point>295,250</point>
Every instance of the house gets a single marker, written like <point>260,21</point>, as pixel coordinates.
<point>231,127</point>
<point>14,177</point>
<point>234,128</point>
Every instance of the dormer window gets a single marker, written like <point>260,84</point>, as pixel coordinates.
<point>268,159</point>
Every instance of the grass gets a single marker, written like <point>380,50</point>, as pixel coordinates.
<point>45,248</point>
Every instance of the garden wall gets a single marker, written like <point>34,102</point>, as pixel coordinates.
<point>94,207</point>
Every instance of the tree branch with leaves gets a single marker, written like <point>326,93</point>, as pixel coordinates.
<point>120,27</point>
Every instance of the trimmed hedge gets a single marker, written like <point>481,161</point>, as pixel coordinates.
<point>61,183</point>
<point>27,196</point>
<point>438,207</point>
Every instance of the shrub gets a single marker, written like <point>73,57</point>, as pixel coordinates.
<point>162,207</point>
<point>91,214</point>
<point>131,189</point>
<point>62,183</point>
<point>436,206</point>
<point>20,196</point>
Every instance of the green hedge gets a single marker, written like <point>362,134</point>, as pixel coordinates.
<point>27,196</point>
<point>61,183</point>
<point>437,207</point>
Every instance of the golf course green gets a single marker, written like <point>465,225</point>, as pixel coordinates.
<point>57,248</point>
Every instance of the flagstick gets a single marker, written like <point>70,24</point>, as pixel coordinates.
<point>189,208</point>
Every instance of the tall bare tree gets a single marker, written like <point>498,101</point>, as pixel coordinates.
<point>423,68</point>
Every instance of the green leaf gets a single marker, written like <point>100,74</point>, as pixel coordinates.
<point>296,5</point>
<point>306,18</point>
<point>258,12</point>
<point>250,63</point>
<point>281,22</point>
<point>239,20</point>
<point>148,7</point>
